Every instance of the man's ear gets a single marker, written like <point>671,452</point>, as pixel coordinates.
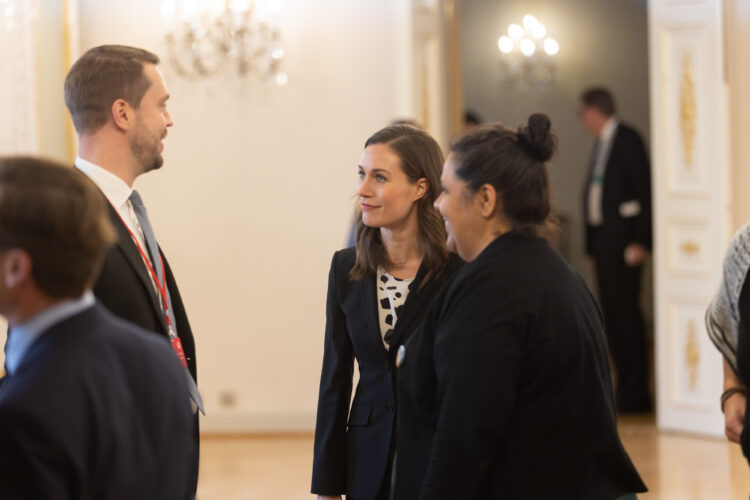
<point>123,114</point>
<point>488,200</point>
<point>17,268</point>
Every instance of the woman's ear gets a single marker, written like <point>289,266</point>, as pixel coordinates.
<point>487,200</point>
<point>422,186</point>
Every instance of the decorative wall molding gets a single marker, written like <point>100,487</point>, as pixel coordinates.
<point>684,108</point>
<point>19,129</point>
<point>691,355</point>
<point>688,242</point>
<point>689,123</point>
<point>687,110</point>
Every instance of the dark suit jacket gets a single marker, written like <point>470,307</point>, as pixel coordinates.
<point>125,288</point>
<point>351,456</point>
<point>627,178</point>
<point>506,391</point>
<point>98,408</point>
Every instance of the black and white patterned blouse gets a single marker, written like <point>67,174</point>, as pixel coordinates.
<point>392,294</point>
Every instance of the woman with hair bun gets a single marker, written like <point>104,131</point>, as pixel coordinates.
<point>506,391</point>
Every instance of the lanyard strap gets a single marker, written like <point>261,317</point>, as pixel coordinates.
<point>160,285</point>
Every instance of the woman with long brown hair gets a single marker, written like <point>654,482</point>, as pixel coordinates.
<point>377,294</point>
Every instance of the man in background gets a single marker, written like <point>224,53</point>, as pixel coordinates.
<point>471,120</point>
<point>91,407</point>
<point>617,211</point>
<point>117,99</point>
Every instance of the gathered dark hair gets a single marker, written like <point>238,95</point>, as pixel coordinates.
<point>514,163</point>
<point>421,157</point>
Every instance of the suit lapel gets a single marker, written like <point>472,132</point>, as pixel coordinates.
<point>369,304</point>
<point>126,245</point>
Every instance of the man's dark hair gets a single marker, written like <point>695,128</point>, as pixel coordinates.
<point>100,77</point>
<point>57,215</point>
<point>472,118</point>
<point>599,98</point>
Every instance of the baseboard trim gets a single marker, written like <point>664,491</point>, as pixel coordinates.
<point>301,423</point>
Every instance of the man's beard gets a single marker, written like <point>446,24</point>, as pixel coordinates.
<point>146,150</point>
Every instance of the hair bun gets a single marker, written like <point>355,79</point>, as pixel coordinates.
<point>537,138</point>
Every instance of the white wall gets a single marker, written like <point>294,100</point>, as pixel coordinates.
<point>738,40</point>
<point>256,193</point>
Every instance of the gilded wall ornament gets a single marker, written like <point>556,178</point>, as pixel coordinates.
<point>687,110</point>
<point>692,355</point>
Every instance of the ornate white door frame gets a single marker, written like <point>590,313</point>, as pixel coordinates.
<point>689,117</point>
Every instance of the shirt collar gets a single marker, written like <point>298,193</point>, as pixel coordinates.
<point>22,336</point>
<point>608,131</point>
<point>115,189</point>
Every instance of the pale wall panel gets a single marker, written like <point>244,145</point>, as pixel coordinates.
<point>256,193</point>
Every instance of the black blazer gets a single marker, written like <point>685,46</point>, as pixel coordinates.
<point>351,456</point>
<point>743,360</point>
<point>506,391</point>
<point>627,179</point>
<point>125,288</point>
<point>98,408</point>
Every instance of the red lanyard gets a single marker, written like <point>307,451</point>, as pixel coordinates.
<point>162,286</point>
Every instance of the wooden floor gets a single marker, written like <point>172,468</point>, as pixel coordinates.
<point>674,467</point>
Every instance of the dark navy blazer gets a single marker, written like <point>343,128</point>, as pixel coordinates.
<point>98,408</point>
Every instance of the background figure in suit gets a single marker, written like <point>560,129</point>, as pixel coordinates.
<point>92,407</point>
<point>117,99</point>
<point>506,391</point>
<point>617,211</point>
<point>377,294</point>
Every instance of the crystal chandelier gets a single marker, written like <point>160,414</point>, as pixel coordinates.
<point>528,54</point>
<point>208,37</point>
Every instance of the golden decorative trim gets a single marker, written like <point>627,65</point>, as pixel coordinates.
<point>692,355</point>
<point>690,248</point>
<point>70,139</point>
<point>687,110</point>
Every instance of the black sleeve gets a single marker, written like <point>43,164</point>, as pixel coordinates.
<point>743,358</point>
<point>639,170</point>
<point>330,454</point>
<point>478,352</point>
<point>31,465</point>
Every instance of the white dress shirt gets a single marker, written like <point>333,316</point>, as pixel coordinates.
<point>595,216</point>
<point>392,293</point>
<point>118,193</point>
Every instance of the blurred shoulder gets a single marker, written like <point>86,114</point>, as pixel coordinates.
<point>627,132</point>
<point>343,260</point>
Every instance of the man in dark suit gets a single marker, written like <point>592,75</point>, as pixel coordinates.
<point>617,211</point>
<point>92,407</point>
<point>117,99</point>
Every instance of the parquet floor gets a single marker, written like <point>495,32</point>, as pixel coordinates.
<point>277,467</point>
